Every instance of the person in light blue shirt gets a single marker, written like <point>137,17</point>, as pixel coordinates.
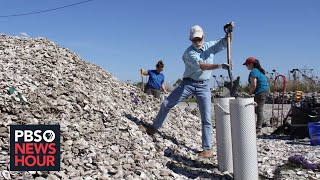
<point>198,60</point>
<point>259,86</point>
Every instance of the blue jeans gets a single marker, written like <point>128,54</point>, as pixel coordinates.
<point>201,91</point>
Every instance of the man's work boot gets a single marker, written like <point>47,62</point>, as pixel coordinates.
<point>151,131</point>
<point>147,129</point>
<point>205,153</point>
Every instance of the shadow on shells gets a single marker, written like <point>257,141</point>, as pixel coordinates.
<point>192,172</point>
<point>171,153</point>
<point>162,134</point>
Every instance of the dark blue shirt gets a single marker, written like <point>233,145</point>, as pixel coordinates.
<point>155,79</point>
<point>262,82</point>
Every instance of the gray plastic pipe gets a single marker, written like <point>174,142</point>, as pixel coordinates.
<point>223,135</point>
<point>244,143</point>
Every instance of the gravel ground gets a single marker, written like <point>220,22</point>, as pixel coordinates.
<point>274,151</point>
<point>101,118</point>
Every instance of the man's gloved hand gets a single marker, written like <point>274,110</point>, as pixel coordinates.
<point>223,66</point>
<point>228,28</point>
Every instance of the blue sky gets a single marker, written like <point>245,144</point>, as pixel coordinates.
<point>123,36</point>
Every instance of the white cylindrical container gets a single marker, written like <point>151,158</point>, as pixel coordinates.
<point>223,134</point>
<point>244,143</point>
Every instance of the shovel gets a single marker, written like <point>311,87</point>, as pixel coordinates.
<point>230,88</point>
<point>142,88</point>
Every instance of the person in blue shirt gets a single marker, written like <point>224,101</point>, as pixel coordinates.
<point>156,80</point>
<point>259,86</point>
<point>198,60</point>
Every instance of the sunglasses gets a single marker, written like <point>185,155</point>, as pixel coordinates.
<point>196,39</point>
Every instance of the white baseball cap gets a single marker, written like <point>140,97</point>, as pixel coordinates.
<point>196,31</point>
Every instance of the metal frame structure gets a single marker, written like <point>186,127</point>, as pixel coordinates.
<point>276,110</point>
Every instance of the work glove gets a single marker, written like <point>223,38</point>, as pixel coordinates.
<point>223,66</point>
<point>141,71</point>
<point>228,28</point>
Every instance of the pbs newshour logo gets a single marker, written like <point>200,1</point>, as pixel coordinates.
<point>35,147</point>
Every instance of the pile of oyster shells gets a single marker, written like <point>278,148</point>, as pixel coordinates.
<point>100,118</point>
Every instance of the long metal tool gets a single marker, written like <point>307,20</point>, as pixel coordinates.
<point>230,88</point>
<point>229,56</point>
<point>142,89</point>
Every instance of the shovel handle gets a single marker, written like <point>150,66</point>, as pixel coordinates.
<point>142,83</point>
<point>229,50</point>
<point>229,55</point>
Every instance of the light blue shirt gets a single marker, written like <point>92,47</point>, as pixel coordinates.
<point>262,81</point>
<point>192,57</point>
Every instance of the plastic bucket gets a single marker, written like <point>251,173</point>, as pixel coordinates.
<point>244,139</point>
<point>223,134</point>
<point>314,133</point>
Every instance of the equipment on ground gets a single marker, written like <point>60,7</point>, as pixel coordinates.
<point>303,110</point>
<point>279,87</point>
